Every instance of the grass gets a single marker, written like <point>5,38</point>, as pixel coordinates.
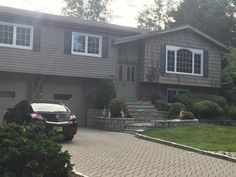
<point>206,137</point>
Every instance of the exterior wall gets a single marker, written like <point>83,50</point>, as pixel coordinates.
<point>51,60</point>
<point>184,38</point>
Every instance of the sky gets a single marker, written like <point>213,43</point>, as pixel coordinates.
<point>124,12</point>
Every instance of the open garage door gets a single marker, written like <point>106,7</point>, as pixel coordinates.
<point>11,92</point>
<point>71,95</point>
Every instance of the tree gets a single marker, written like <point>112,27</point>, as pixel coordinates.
<point>156,17</point>
<point>215,17</point>
<point>106,92</point>
<point>96,10</point>
<point>229,77</point>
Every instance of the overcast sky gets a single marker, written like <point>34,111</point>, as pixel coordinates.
<point>124,12</point>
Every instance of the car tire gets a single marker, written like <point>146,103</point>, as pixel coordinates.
<point>69,138</point>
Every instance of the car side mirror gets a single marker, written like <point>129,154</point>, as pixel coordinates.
<point>9,109</point>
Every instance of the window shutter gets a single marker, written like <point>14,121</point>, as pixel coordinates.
<point>205,63</point>
<point>105,46</point>
<point>36,38</point>
<point>163,59</point>
<point>67,42</point>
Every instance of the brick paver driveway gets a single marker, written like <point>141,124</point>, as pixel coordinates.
<point>109,154</point>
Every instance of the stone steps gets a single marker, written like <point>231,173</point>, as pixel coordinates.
<point>137,127</point>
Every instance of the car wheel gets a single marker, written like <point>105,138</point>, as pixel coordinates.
<point>68,138</point>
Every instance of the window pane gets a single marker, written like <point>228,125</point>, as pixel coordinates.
<point>128,73</point>
<point>23,36</point>
<point>170,95</point>
<point>121,73</point>
<point>6,34</point>
<point>93,45</point>
<point>184,61</point>
<point>197,64</point>
<point>58,96</point>
<point>171,61</point>
<point>133,74</point>
<point>78,43</point>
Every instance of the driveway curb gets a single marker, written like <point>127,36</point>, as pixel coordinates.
<point>184,147</point>
<point>78,173</point>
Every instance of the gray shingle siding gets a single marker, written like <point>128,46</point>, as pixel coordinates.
<point>184,39</point>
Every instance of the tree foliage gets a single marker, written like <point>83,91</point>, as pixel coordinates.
<point>96,10</point>
<point>215,17</point>
<point>229,77</point>
<point>152,17</point>
<point>106,92</point>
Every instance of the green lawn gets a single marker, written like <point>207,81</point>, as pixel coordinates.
<point>206,137</point>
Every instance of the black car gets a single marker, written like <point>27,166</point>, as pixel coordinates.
<point>55,116</point>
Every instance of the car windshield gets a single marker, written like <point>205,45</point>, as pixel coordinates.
<point>48,107</point>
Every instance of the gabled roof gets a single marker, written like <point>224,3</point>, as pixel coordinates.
<point>38,16</point>
<point>156,33</point>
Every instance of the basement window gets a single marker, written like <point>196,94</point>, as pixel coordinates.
<point>7,94</point>
<point>58,96</point>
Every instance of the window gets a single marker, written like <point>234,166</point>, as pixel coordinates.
<point>184,60</point>
<point>172,92</point>
<point>133,74</point>
<point>58,96</point>
<point>128,73</point>
<point>86,44</point>
<point>120,73</point>
<point>18,36</point>
<point>7,94</point>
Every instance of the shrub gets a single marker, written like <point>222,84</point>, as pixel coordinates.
<point>106,92</point>
<point>208,110</point>
<point>190,98</point>
<point>156,96</point>
<point>175,109</point>
<point>232,112</point>
<point>161,105</point>
<point>188,115</point>
<point>27,151</point>
<point>116,105</point>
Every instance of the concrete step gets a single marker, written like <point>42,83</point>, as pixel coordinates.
<point>138,103</point>
<point>138,127</point>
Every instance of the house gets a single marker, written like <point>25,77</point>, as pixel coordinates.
<point>64,58</point>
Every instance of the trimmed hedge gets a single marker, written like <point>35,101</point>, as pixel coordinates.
<point>232,112</point>
<point>188,115</point>
<point>208,110</point>
<point>156,96</point>
<point>175,109</point>
<point>116,106</point>
<point>190,98</point>
<point>161,105</point>
<point>26,151</point>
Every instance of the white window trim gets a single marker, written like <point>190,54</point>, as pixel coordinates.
<point>177,91</point>
<point>14,36</point>
<point>194,51</point>
<point>86,45</point>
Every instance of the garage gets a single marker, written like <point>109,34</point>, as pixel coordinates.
<point>11,92</point>
<point>70,94</point>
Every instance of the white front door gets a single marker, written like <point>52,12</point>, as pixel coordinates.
<point>127,81</point>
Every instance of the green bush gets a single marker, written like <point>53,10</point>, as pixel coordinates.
<point>26,151</point>
<point>116,105</point>
<point>188,115</point>
<point>161,105</point>
<point>232,112</point>
<point>156,96</point>
<point>189,99</point>
<point>175,109</point>
<point>106,92</point>
<point>208,110</point>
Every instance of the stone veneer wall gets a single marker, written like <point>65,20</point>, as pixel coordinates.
<point>173,123</point>
<point>96,120</point>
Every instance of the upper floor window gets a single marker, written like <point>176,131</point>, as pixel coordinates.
<point>14,35</point>
<point>86,44</point>
<point>184,60</point>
